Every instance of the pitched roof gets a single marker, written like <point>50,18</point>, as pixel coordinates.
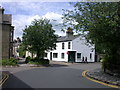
<point>67,38</point>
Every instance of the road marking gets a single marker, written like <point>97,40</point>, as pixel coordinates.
<point>4,79</point>
<point>84,74</point>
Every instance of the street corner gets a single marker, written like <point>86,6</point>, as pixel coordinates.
<point>4,77</point>
<point>94,78</point>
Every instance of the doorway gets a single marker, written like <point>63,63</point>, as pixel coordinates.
<point>71,56</point>
<point>50,55</point>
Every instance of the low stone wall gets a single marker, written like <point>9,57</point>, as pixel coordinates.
<point>99,75</point>
<point>113,72</point>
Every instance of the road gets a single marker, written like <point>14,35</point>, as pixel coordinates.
<point>57,76</point>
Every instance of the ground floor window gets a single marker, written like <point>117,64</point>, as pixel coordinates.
<point>90,55</point>
<point>78,55</point>
<point>45,54</point>
<point>55,55</point>
<point>62,55</point>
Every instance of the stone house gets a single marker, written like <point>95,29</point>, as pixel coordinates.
<point>6,35</point>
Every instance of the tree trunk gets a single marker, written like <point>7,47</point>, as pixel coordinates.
<point>38,54</point>
<point>32,55</point>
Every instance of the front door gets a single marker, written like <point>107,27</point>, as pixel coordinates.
<point>71,56</point>
<point>50,55</point>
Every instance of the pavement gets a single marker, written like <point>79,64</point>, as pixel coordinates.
<point>57,75</point>
<point>98,74</point>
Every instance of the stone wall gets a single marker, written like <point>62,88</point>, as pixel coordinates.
<point>1,11</point>
<point>6,41</point>
<point>0,41</point>
<point>5,35</point>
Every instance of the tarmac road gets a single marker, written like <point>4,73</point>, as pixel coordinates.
<point>50,77</point>
<point>59,75</point>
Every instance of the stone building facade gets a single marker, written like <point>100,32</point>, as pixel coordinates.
<point>6,35</point>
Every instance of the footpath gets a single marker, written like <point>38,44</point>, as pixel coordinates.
<point>99,75</point>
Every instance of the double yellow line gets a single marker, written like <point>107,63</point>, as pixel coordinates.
<point>84,74</point>
<point>3,80</point>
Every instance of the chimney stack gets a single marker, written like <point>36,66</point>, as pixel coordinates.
<point>69,32</point>
<point>1,10</point>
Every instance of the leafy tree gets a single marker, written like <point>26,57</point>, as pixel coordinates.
<point>99,22</point>
<point>39,36</point>
<point>22,50</point>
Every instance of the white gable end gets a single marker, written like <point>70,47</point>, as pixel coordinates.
<point>79,45</point>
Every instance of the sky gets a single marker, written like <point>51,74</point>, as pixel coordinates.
<point>25,12</point>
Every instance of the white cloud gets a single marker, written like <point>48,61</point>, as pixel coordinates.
<point>56,20</point>
<point>46,0</point>
<point>19,21</point>
<point>52,15</point>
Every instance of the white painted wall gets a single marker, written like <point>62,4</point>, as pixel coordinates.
<point>79,46</point>
<point>29,54</point>
<point>76,45</point>
<point>59,50</point>
<point>15,48</point>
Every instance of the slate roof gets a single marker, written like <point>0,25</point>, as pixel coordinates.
<point>67,38</point>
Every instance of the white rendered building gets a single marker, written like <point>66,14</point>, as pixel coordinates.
<point>71,48</point>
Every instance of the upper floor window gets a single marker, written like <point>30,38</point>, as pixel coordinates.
<point>63,45</point>
<point>69,45</point>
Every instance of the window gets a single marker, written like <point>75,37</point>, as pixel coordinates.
<point>55,55</point>
<point>45,54</point>
<point>62,55</point>
<point>90,55</point>
<point>69,44</point>
<point>78,55</point>
<point>63,46</point>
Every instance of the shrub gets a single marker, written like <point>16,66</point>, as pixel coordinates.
<point>107,63</point>
<point>44,61</point>
<point>27,59</point>
<point>39,61</point>
<point>104,62</point>
<point>9,62</point>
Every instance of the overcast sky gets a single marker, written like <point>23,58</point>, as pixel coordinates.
<point>25,12</point>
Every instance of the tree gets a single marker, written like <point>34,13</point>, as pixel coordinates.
<point>99,22</point>
<point>39,36</point>
<point>22,50</point>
